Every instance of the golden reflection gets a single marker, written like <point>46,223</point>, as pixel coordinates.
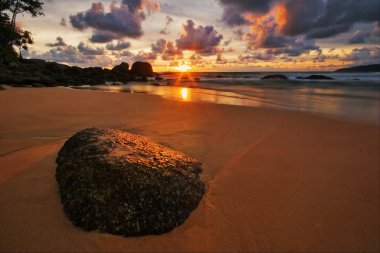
<point>185,94</point>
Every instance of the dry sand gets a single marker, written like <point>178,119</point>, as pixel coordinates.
<point>276,181</point>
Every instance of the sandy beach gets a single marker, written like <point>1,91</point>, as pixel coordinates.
<point>277,181</point>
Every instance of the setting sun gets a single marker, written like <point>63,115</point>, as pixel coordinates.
<point>183,68</point>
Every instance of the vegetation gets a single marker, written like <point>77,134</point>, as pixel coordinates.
<point>11,36</point>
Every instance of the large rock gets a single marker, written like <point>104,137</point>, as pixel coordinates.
<point>142,69</point>
<point>116,182</point>
<point>123,68</point>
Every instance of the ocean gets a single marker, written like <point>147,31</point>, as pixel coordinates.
<point>350,96</point>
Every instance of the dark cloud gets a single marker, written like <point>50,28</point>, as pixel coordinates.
<point>121,45</point>
<point>202,39</point>
<point>59,43</point>
<point>359,37</point>
<point>121,21</point>
<point>315,19</point>
<point>169,20</point>
<point>87,50</point>
<point>295,47</point>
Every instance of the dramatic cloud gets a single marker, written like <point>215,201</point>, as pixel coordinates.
<point>87,50</point>
<point>275,23</point>
<point>59,43</point>
<point>314,19</point>
<point>121,45</point>
<point>121,21</point>
<point>203,40</point>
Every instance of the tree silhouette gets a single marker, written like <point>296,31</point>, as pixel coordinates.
<point>10,35</point>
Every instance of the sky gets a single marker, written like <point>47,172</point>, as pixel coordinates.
<point>208,35</point>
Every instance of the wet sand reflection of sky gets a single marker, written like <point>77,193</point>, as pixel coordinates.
<point>337,103</point>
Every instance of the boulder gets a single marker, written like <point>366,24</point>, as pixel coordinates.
<point>316,77</point>
<point>123,68</point>
<point>142,69</point>
<point>275,77</point>
<point>119,183</point>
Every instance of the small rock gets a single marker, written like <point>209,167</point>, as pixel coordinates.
<point>316,77</point>
<point>275,77</point>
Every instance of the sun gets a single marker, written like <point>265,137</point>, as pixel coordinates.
<point>183,67</point>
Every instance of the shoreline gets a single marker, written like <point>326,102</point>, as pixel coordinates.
<point>276,180</point>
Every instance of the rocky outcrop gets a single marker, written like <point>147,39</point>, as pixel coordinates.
<point>122,68</point>
<point>36,73</point>
<point>275,77</point>
<point>316,77</point>
<point>116,182</point>
<point>143,69</point>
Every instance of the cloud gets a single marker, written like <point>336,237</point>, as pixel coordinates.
<point>167,49</point>
<point>234,9</point>
<point>203,40</point>
<point>121,21</point>
<point>121,45</point>
<point>59,43</point>
<point>220,59</point>
<point>87,50</point>
<point>169,20</point>
<point>359,37</point>
<point>365,55</point>
<point>145,56</point>
<point>71,55</point>
<point>315,19</point>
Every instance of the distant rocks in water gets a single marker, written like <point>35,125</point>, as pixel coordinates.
<point>123,68</point>
<point>363,68</point>
<point>275,77</point>
<point>316,77</point>
<point>144,69</point>
<point>116,182</point>
<point>158,78</point>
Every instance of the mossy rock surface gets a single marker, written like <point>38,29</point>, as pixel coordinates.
<point>116,182</point>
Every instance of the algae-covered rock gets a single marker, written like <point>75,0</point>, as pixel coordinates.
<point>116,182</point>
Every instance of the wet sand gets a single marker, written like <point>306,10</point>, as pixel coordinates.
<point>277,181</point>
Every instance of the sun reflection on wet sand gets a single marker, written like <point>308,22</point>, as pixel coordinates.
<point>185,94</point>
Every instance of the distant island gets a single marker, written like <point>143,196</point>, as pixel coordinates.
<point>364,68</point>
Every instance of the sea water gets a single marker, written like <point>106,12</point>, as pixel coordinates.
<point>350,96</point>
